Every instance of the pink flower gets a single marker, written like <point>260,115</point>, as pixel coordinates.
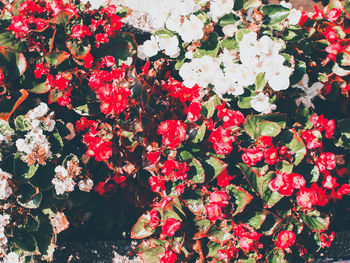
<point>193,111</point>
<point>214,212</point>
<point>157,183</point>
<point>221,140</point>
<point>252,156</point>
<point>169,257</point>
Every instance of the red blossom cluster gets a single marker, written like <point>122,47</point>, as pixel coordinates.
<point>173,133</point>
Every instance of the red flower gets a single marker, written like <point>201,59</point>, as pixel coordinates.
<point>285,239</point>
<point>108,61</point>
<point>311,140</point>
<point>65,99</point>
<point>271,155</point>
<point>252,156</point>
<point>178,91</point>
<point>180,188</point>
<point>263,142</point>
<point>80,31</point>
<point>334,14</point>
<point>304,17</point>
<point>329,182</point>
<point>169,167</point>
<point>319,14</point>
<point>326,161</point>
<point>154,219</point>
<point>283,184</point>
<point>61,82</point>
<point>224,178</point>
<point>227,254</point>
<point>81,124</point>
<point>170,226</point>
<point>119,179</point>
<point>157,183</point>
<point>219,198</point>
<point>307,198</point>
<point>19,26</point>
<point>101,39</point>
<point>173,132</point>
<point>246,243</point>
<point>40,70</point>
<point>222,140</point>
<point>298,180</point>
<point>153,157</point>
<point>214,212</point>
<point>326,240</point>
<point>169,257</point>
<point>331,35</point>
<point>104,151</point>
<point>193,111</point>
<point>230,118</point>
<point>99,188</point>
<point>333,49</point>
<point>181,173</point>
<point>88,60</point>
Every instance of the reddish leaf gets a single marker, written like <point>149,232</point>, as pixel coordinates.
<point>6,116</point>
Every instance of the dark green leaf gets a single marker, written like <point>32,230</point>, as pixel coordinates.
<point>315,220</point>
<point>32,223</point>
<point>152,255</point>
<point>241,196</point>
<point>293,141</point>
<point>213,167</point>
<point>194,201</point>
<point>24,240</point>
<point>251,123</point>
<point>275,14</point>
<point>196,173</point>
<point>142,229</point>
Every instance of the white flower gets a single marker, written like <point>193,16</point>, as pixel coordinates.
<point>22,146</point>
<point>50,125</point>
<point>61,171</point>
<point>5,189</point>
<point>192,29</point>
<point>59,186</point>
<point>12,257</point>
<point>219,8</point>
<point>86,185</point>
<point>294,15</point>
<point>189,55</point>
<point>173,23</point>
<point>150,47</point>
<point>309,92</point>
<point>278,77</point>
<point>261,103</point>
<point>140,53</point>
<point>229,30</point>
<point>170,46</point>
<point>41,110</point>
<point>4,220</point>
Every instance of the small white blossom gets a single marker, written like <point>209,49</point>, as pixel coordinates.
<point>150,47</point>
<point>61,171</point>
<point>170,45</point>
<point>278,77</point>
<point>309,92</point>
<point>12,257</point>
<point>229,30</point>
<point>86,185</point>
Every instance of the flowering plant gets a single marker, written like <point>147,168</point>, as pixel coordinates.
<point>217,137</point>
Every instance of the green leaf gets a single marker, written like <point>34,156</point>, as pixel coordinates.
<point>298,73</point>
<point>209,47</point>
<point>8,40</point>
<point>284,167</point>
<point>44,176</point>
<point>32,223</point>
<point>56,58</point>
<point>200,134</point>
<point>240,34</point>
<point>268,128</point>
<point>22,123</point>
<point>152,255</point>
<point>77,48</point>
<point>186,155</point>
<point>44,235</point>
<point>163,33</point>
<point>293,141</point>
<point>241,196</point>
<point>196,173</point>
<point>276,256</point>
<point>40,88</point>
<point>260,81</point>
<point>21,169</point>
<point>13,64</point>
<point>228,19</point>
<point>254,180</point>
<point>254,219</point>
<point>142,229</point>
<point>213,167</point>
<point>251,123</point>
<point>194,201</point>
<point>270,223</point>
<point>29,197</point>
<point>24,240</point>
<point>245,99</point>
<point>251,3</point>
<point>315,220</point>
<point>229,43</point>
<point>54,95</point>
<point>213,250</point>
<point>203,226</point>
<point>219,235</point>
<point>275,14</point>
<point>270,198</point>
<point>209,107</point>
<point>62,17</point>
